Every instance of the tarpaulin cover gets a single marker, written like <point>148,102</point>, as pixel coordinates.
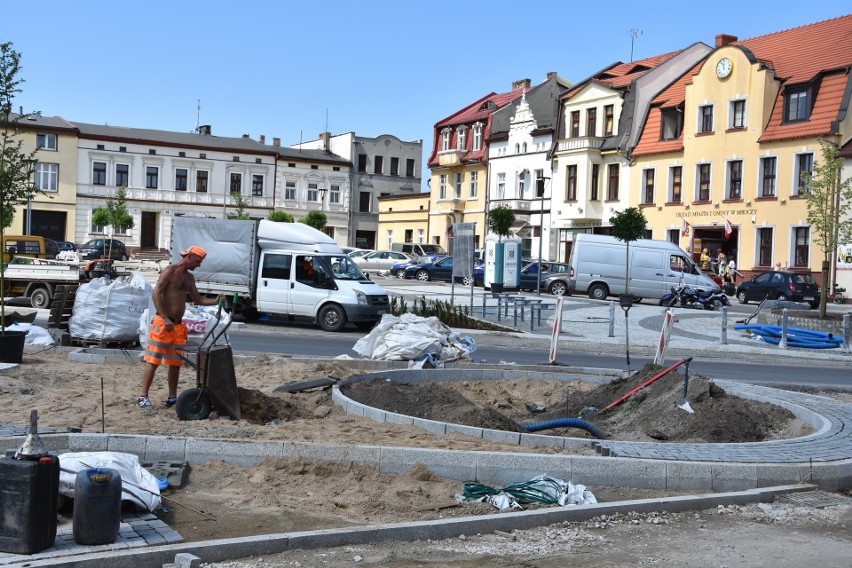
<point>411,338</point>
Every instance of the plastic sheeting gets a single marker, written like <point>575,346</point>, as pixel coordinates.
<point>138,485</point>
<point>35,335</point>
<point>542,489</point>
<point>414,338</point>
<point>110,309</point>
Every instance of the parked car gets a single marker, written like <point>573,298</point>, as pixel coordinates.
<point>380,261</point>
<point>779,285</point>
<point>66,245</point>
<point>100,248</point>
<point>554,279</point>
<point>442,270</point>
<point>398,269</point>
<point>358,253</point>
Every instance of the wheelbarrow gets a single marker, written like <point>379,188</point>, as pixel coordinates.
<point>215,381</point>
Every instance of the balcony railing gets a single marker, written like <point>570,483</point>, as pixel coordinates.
<point>582,143</point>
<point>171,196</point>
<point>451,157</point>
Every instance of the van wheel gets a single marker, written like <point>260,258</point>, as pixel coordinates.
<point>332,318</point>
<point>558,288</point>
<point>40,298</point>
<point>598,292</point>
<point>250,313</point>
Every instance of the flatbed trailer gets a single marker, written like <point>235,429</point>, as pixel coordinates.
<point>37,278</point>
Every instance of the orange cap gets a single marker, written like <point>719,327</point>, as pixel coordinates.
<point>196,250</point>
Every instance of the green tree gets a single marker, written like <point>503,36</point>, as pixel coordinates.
<point>829,198</point>
<point>16,165</point>
<point>241,204</point>
<point>114,214</point>
<point>628,226</point>
<point>500,220</point>
<point>315,219</point>
<point>280,216</point>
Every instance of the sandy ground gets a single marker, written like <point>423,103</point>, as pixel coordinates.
<point>287,495</point>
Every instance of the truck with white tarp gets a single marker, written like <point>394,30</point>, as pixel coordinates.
<point>288,269</point>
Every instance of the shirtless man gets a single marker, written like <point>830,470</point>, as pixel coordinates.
<point>168,334</point>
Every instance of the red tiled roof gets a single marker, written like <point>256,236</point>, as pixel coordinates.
<point>622,74</point>
<point>649,141</point>
<point>825,109</point>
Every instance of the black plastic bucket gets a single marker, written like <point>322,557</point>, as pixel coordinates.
<point>28,502</point>
<point>97,506</point>
<point>12,346</point>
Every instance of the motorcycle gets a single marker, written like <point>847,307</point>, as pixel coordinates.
<point>689,297</point>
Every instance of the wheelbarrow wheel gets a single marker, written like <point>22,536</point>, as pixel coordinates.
<point>192,404</point>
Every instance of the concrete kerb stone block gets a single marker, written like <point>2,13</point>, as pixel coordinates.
<point>831,476</point>
<point>497,468</point>
<point>394,418</point>
<point>531,440</point>
<point>688,476</point>
<point>733,477</point>
<point>366,455</point>
<point>770,475</point>
<point>436,427</point>
<point>89,443</point>
<point>52,442</point>
<point>615,472</point>
<point>501,436</point>
<point>462,429</point>
<point>127,443</point>
<point>238,452</point>
<point>164,448</point>
<point>449,464</point>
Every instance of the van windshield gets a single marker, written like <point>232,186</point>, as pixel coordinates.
<point>433,249</point>
<point>343,268</point>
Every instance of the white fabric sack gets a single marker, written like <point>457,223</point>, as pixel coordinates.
<point>35,335</point>
<point>110,309</point>
<point>410,337</point>
<point>138,485</point>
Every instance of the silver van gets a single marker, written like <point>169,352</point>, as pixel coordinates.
<point>418,249</point>
<point>598,267</point>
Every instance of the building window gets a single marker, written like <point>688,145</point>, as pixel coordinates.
<point>236,185</point>
<point>524,147</point>
<point>314,167</point>
<point>445,139</point>
<point>378,164</point>
<point>390,238</point>
<point>796,104</point>
<point>362,163</point>
<point>802,237</point>
<point>458,185</point>
<point>290,191</point>
<point>591,122</point>
<point>705,119</point>
<point>672,123</point>
<point>180,179</point>
<point>201,177</point>
<point>571,183</point>
<point>648,195</point>
<point>612,186</point>
<point>99,173</point>
<point>365,199</point>
<point>313,192</point>
<point>257,185</point>
<point>738,114</point>
<point>95,228</point>
<point>767,168</point>
<point>420,236</point>
<point>152,177</point>
<point>46,141</point>
<point>735,179</point>
<point>409,168</point>
<point>804,171</point>
<point>442,186</point>
<point>703,182</point>
<point>609,120</point>
<point>394,167</point>
<point>522,183</point>
<point>477,136</point>
<point>596,175</point>
<point>46,177</point>
<point>122,175</point>
<point>474,182</point>
<point>575,124</point>
<point>517,148</point>
<point>764,252</point>
<point>334,194</point>
<point>676,177</point>
<point>461,138</point>
<point>501,186</point>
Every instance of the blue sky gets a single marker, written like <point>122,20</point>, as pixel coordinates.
<point>279,68</point>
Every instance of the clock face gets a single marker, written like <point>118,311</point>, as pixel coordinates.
<point>724,67</point>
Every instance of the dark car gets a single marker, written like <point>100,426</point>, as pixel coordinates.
<point>442,270</point>
<point>398,269</point>
<point>555,279</point>
<point>66,245</point>
<point>780,285</point>
<point>100,248</point>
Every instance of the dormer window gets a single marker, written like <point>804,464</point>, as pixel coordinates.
<point>461,138</point>
<point>477,136</point>
<point>445,139</point>
<point>671,124</point>
<point>797,104</point>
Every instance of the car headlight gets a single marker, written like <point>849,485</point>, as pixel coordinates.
<point>362,297</point>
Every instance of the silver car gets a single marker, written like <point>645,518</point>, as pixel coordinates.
<point>381,261</point>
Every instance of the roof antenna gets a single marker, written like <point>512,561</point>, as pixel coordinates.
<point>634,33</point>
<point>197,114</point>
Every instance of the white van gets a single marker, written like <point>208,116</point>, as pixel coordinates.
<point>418,249</point>
<point>598,267</point>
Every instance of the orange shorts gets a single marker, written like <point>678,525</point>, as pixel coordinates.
<point>164,346</point>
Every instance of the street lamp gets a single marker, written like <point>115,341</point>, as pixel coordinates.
<point>322,192</point>
<point>539,190</point>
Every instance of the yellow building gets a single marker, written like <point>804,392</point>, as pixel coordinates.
<point>459,164</point>
<point>403,219</point>
<point>51,214</point>
<point>720,158</point>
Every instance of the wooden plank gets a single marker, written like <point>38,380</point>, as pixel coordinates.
<point>62,306</point>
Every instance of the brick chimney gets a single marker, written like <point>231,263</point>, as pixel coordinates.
<point>246,136</point>
<point>522,84</point>
<point>262,139</point>
<point>724,39</point>
<point>204,129</point>
<point>551,75</point>
<point>276,142</point>
<point>326,141</point>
